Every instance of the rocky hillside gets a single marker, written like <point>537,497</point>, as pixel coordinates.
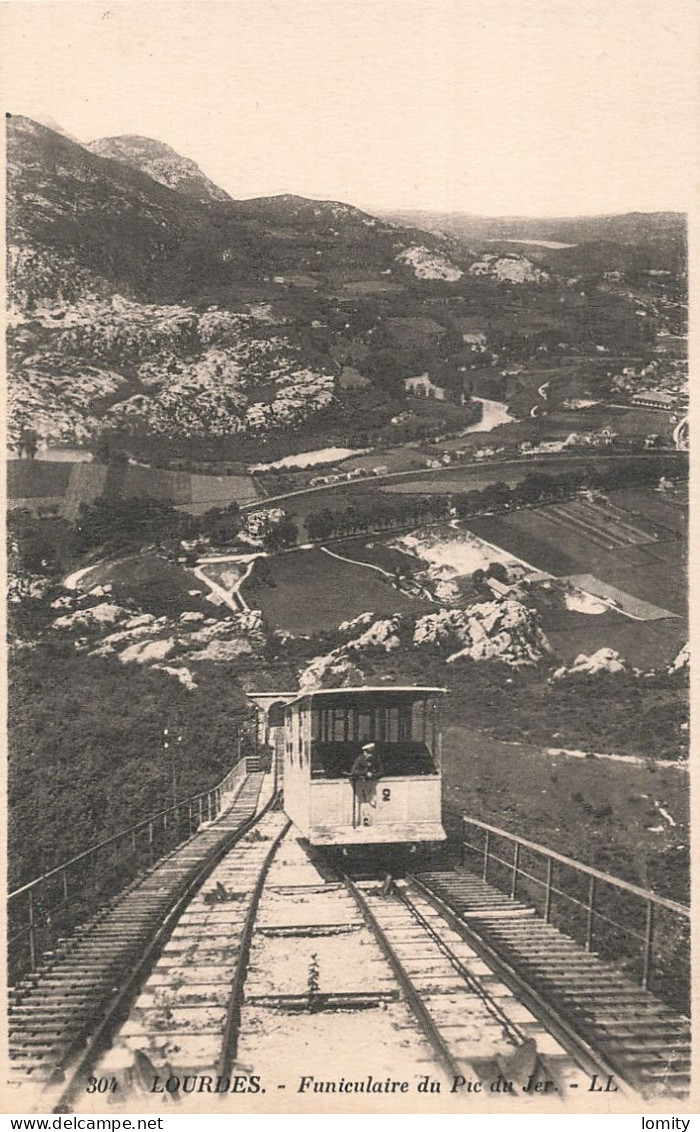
<point>145,300</point>
<point>160,162</point>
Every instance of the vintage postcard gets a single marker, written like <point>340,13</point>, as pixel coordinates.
<point>347,446</point>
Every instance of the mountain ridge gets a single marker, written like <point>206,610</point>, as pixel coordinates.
<point>160,162</point>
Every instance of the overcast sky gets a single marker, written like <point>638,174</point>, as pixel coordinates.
<point>537,107</point>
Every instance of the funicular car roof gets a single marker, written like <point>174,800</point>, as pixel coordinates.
<point>407,691</point>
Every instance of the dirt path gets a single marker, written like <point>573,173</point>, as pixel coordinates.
<point>357,562</point>
<point>233,598</point>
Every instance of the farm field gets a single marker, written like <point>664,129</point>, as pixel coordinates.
<point>73,483</point>
<point>630,550</point>
<point>627,603</point>
<point>621,551</point>
<point>217,491</point>
<point>464,478</point>
<point>397,459</point>
<point>449,486</point>
<point>667,510</point>
<point>645,645</point>
<point>598,811</point>
<point>27,479</point>
<point>189,491</point>
<point>518,539</point>
<point>309,591</point>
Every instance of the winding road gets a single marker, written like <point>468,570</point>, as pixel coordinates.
<point>455,470</point>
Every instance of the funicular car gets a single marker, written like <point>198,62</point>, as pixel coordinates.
<point>363,765</point>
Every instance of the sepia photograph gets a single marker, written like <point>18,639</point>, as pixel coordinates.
<point>347,518</point>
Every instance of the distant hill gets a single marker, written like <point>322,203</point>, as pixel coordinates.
<point>661,234</point>
<point>160,162</point>
<point>117,218</point>
<point>146,301</point>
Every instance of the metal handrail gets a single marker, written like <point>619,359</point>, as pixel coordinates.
<point>617,882</point>
<point>53,902</point>
<point>220,789</point>
<point>590,903</point>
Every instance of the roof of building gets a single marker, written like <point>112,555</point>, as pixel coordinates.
<point>654,395</point>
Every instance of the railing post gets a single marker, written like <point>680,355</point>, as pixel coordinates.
<point>150,840</point>
<point>209,806</point>
<point>516,864</point>
<point>648,946</point>
<point>487,846</point>
<point>548,891</point>
<point>462,853</point>
<point>133,842</point>
<point>199,805</point>
<point>590,913</point>
<point>32,939</point>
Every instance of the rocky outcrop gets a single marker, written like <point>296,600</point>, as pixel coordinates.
<point>332,671</point>
<point>509,269</point>
<point>339,668</point>
<point>428,264</point>
<point>105,628</point>
<point>604,661</point>
<point>495,630</point>
<point>167,369</point>
<point>682,661</point>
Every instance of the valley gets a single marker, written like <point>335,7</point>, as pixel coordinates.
<point>284,443</point>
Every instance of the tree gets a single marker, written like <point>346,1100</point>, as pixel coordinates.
<point>284,534</point>
<point>137,521</point>
<point>321,525</point>
<point>534,487</point>
<point>221,524</point>
<point>467,503</point>
<point>498,571</point>
<point>28,443</point>
<point>496,496</point>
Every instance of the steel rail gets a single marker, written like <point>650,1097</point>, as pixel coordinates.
<point>229,1046</point>
<point>431,1031</point>
<point>590,1058</point>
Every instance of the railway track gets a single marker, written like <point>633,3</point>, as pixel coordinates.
<point>614,1025</point>
<point>247,957</point>
<point>272,960</point>
<point>279,969</point>
<point>61,1014</point>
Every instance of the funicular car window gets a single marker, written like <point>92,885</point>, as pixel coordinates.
<point>402,731</point>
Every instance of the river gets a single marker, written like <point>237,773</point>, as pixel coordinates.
<point>494,413</point>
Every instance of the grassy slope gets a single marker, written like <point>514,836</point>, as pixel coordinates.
<point>312,592</point>
<point>555,799</point>
<point>154,584</point>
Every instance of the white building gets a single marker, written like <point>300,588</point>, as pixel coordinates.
<point>422,386</point>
